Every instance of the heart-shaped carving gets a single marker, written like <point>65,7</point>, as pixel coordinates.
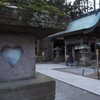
<point>11,55</point>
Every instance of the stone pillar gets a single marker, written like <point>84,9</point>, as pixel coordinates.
<point>18,79</point>
<point>18,29</point>
<point>25,64</point>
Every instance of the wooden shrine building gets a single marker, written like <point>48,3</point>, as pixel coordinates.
<point>81,36</point>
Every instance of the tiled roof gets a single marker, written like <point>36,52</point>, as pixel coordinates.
<point>80,25</point>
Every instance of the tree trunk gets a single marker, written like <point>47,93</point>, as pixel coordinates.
<point>94,5</point>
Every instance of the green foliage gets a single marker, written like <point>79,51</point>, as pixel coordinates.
<point>36,5</point>
<point>16,1</point>
<point>85,62</point>
<point>55,10</point>
<point>88,63</point>
<point>59,4</point>
<point>1,4</point>
<point>42,6</point>
<point>98,40</point>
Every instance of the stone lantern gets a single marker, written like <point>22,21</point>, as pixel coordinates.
<point>18,30</point>
<point>58,57</point>
<point>84,60</point>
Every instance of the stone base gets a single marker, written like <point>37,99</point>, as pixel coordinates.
<point>41,88</point>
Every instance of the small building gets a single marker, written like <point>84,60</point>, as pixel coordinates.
<point>81,36</point>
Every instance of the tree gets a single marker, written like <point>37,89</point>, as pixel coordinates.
<point>81,7</point>
<point>62,5</point>
<point>57,3</point>
<point>99,3</point>
<point>78,8</point>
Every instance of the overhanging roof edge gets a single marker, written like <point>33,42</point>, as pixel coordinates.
<point>94,20</point>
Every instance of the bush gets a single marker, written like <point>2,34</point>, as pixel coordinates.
<point>87,63</point>
<point>84,61</point>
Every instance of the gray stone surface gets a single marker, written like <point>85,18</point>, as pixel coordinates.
<point>78,70</point>
<point>65,91</point>
<point>25,67</point>
<point>41,88</point>
<point>24,17</point>
<point>85,83</point>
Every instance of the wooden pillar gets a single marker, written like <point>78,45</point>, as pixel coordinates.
<point>89,51</point>
<point>95,49</point>
<point>65,48</point>
<point>73,53</point>
<point>52,50</point>
<point>38,47</point>
<point>97,54</point>
<point>81,55</point>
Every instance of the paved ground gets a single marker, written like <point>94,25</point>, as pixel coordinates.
<point>68,92</point>
<point>78,70</point>
<point>84,83</point>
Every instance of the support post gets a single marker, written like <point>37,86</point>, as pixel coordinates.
<point>52,50</point>
<point>83,72</point>
<point>97,54</point>
<point>81,49</point>
<point>65,49</point>
<point>38,47</point>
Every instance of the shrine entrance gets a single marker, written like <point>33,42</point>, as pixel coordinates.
<point>79,46</point>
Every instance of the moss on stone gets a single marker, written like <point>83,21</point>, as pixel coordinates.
<point>34,5</point>
<point>1,4</point>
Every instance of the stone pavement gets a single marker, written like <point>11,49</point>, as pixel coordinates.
<point>88,84</point>
<point>66,91</point>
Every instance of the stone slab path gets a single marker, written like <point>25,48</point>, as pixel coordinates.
<point>88,84</point>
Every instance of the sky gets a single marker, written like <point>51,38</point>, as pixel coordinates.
<point>97,2</point>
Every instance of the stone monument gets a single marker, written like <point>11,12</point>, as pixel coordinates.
<point>58,57</point>
<point>18,30</point>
